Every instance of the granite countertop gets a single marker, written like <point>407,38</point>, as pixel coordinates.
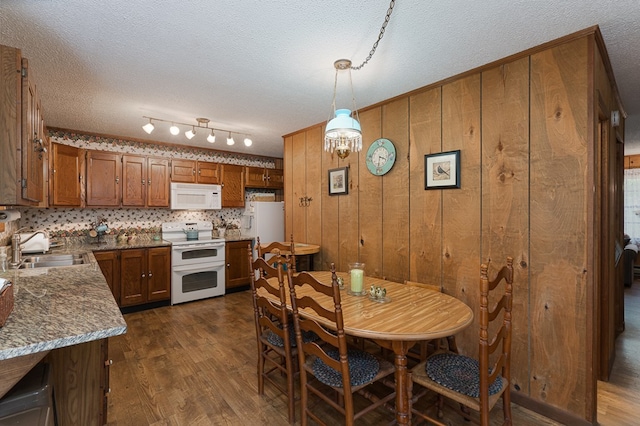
<point>58,307</point>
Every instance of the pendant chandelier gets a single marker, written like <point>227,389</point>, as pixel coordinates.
<point>343,133</point>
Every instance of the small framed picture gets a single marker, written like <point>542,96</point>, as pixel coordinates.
<point>339,181</point>
<point>442,170</point>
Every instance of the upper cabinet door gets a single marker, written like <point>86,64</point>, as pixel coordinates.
<point>232,185</point>
<point>67,175</point>
<point>134,178</point>
<point>255,177</point>
<point>183,171</point>
<point>158,182</point>
<point>32,140</point>
<point>208,172</point>
<point>104,174</point>
<point>275,178</point>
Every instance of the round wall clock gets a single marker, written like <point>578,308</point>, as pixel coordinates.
<point>380,156</point>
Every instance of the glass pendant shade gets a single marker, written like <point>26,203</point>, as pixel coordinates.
<point>174,129</point>
<point>248,142</point>
<point>211,138</point>
<point>190,134</point>
<point>148,127</point>
<point>230,140</point>
<point>343,134</point>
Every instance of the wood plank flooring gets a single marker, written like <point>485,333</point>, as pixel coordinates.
<point>195,364</point>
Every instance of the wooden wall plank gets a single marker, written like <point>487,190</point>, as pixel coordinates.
<point>558,260</point>
<point>370,189</point>
<point>299,177</point>
<point>425,207</point>
<point>330,236</point>
<point>287,164</point>
<point>505,194</point>
<point>314,143</point>
<point>395,197</point>
<point>348,211</point>
<point>461,207</point>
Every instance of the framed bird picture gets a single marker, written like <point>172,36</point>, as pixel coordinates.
<point>442,170</point>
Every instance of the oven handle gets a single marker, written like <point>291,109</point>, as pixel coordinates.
<point>199,268</point>
<point>199,247</point>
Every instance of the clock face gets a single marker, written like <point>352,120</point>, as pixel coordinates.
<point>380,156</point>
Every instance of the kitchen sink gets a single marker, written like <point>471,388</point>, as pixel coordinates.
<point>53,260</point>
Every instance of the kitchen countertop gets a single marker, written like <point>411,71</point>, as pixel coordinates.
<point>58,307</point>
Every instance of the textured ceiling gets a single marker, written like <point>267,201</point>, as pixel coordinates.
<point>266,67</point>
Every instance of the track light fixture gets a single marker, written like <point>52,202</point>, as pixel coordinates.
<point>148,127</point>
<point>203,123</point>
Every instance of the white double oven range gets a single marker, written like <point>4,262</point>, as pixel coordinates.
<point>197,261</point>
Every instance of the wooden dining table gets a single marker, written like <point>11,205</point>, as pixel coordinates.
<point>410,315</point>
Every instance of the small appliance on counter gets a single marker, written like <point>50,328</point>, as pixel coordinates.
<point>38,243</point>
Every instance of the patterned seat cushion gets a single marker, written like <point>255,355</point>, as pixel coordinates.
<point>275,340</point>
<point>458,373</point>
<point>363,367</point>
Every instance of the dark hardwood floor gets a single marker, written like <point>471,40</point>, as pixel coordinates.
<point>195,364</point>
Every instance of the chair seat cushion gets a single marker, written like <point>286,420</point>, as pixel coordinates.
<point>363,367</point>
<point>275,340</point>
<point>458,373</point>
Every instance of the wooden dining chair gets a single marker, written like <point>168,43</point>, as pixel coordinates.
<point>274,330</point>
<point>288,249</point>
<point>330,370</point>
<point>476,384</point>
<point>422,349</point>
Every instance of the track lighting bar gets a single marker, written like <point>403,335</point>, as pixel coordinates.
<point>203,123</point>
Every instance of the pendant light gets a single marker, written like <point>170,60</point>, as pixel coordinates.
<point>212,137</point>
<point>230,140</point>
<point>343,133</point>
<point>190,133</point>
<point>174,130</point>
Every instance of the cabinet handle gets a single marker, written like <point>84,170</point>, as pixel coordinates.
<point>228,265</point>
<point>108,362</point>
<point>194,171</point>
<point>222,185</point>
<point>117,179</point>
<point>150,274</point>
<point>143,275</point>
<point>264,177</point>
<point>143,182</point>
<point>199,172</point>
<point>149,182</point>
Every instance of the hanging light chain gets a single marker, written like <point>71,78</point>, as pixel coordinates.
<point>375,45</point>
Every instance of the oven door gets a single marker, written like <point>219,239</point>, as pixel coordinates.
<point>197,254</point>
<point>189,282</point>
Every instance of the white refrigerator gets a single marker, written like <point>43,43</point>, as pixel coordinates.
<point>264,219</point>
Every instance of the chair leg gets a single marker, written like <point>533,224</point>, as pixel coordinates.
<point>261,372</point>
<point>506,407</point>
<point>291,391</point>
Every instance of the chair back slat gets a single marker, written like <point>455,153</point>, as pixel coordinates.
<point>279,248</point>
<point>335,339</point>
<point>501,336</point>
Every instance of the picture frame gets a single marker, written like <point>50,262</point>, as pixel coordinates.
<point>339,181</point>
<point>442,170</point>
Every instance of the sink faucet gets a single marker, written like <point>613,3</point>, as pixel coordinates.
<point>16,250</point>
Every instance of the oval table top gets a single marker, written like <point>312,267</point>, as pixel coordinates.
<point>413,313</point>
<point>303,248</point>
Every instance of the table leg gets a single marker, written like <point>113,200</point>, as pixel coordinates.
<point>400,349</point>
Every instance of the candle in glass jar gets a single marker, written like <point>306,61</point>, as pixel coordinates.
<point>357,280</point>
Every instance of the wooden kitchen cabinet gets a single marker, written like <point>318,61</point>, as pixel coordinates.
<point>80,376</point>
<point>67,176</point>
<point>632,161</point>
<point>237,273</point>
<point>232,181</point>
<point>145,275</point>
<point>304,185</point>
<point>104,172</point>
<point>137,276</point>
<point>262,177</point>
<point>192,171</point>
<point>23,157</point>
<point>109,262</point>
<point>208,172</point>
<point>183,171</point>
<point>145,181</point>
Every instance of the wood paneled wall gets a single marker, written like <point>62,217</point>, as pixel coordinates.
<point>525,129</point>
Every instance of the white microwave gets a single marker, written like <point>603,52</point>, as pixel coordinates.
<point>194,196</point>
